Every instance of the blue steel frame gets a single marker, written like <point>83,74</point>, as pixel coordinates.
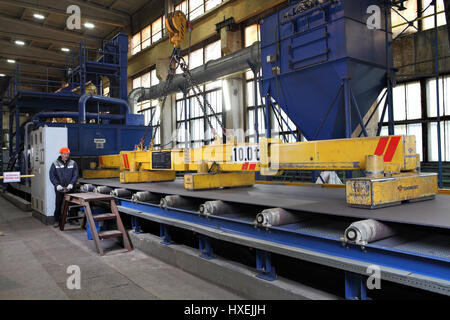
<point>111,64</point>
<point>355,287</point>
<point>395,6</point>
<point>405,261</point>
<point>390,5</point>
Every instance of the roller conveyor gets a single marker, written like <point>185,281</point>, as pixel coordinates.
<point>416,255</point>
<point>311,199</point>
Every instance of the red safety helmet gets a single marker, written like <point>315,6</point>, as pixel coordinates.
<point>64,150</point>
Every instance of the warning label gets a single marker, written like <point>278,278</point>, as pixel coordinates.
<point>9,177</point>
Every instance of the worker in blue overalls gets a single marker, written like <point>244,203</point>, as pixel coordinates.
<point>63,175</point>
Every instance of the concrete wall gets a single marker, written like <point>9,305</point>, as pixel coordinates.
<point>414,54</point>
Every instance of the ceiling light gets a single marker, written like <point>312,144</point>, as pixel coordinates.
<point>2,75</point>
<point>65,49</point>
<point>89,25</point>
<point>20,43</point>
<point>39,16</point>
<point>11,61</point>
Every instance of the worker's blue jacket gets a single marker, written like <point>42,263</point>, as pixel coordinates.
<point>63,174</point>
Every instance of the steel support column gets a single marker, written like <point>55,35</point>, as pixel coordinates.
<point>205,247</point>
<point>355,286</point>
<point>347,108</point>
<point>165,235</point>
<point>436,66</point>
<point>389,74</point>
<point>135,225</point>
<point>348,115</point>
<point>264,265</point>
<point>267,118</point>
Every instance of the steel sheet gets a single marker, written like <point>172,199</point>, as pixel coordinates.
<point>310,199</point>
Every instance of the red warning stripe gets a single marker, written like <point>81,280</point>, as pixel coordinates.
<point>392,147</point>
<point>248,166</point>
<point>125,161</point>
<point>381,146</point>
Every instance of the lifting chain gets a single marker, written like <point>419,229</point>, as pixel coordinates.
<point>176,60</point>
<point>197,92</point>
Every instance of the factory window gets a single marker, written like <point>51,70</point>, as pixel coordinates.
<point>209,4</point>
<point>213,51</point>
<point>150,108</point>
<point>157,29</point>
<point>428,21</point>
<point>407,108</point>
<point>182,6</point>
<point>444,113</point>
<point>407,102</point>
<point>252,34</point>
<point>136,43</point>
<point>410,13</point>
<point>279,119</point>
<point>410,120</point>
<point>444,97</point>
<point>445,141</point>
<point>196,7</point>
<point>426,16</point>
<point>198,129</point>
<point>196,58</point>
<point>147,36</point>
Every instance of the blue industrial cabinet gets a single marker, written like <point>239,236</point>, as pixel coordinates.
<point>320,61</point>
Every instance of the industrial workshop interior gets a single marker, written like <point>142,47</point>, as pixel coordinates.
<point>226,150</point>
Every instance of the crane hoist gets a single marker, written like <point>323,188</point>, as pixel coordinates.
<point>177,24</point>
<point>391,164</point>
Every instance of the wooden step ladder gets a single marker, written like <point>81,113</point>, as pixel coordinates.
<point>76,200</point>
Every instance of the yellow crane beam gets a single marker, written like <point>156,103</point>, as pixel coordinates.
<point>391,165</point>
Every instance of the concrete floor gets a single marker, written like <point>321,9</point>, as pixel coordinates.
<point>34,260</point>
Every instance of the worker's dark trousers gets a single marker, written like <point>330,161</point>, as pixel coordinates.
<point>58,206</point>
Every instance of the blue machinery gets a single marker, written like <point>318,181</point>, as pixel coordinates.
<point>419,259</point>
<point>325,68</point>
<point>321,57</point>
<point>346,80</point>
<point>416,269</point>
<point>327,63</point>
<point>96,117</point>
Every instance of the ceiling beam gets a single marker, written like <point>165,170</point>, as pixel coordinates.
<point>8,55</point>
<point>111,4</point>
<point>35,29</point>
<point>31,70</point>
<point>118,22</point>
<point>98,8</point>
<point>28,37</point>
<point>10,50</point>
<point>23,13</point>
